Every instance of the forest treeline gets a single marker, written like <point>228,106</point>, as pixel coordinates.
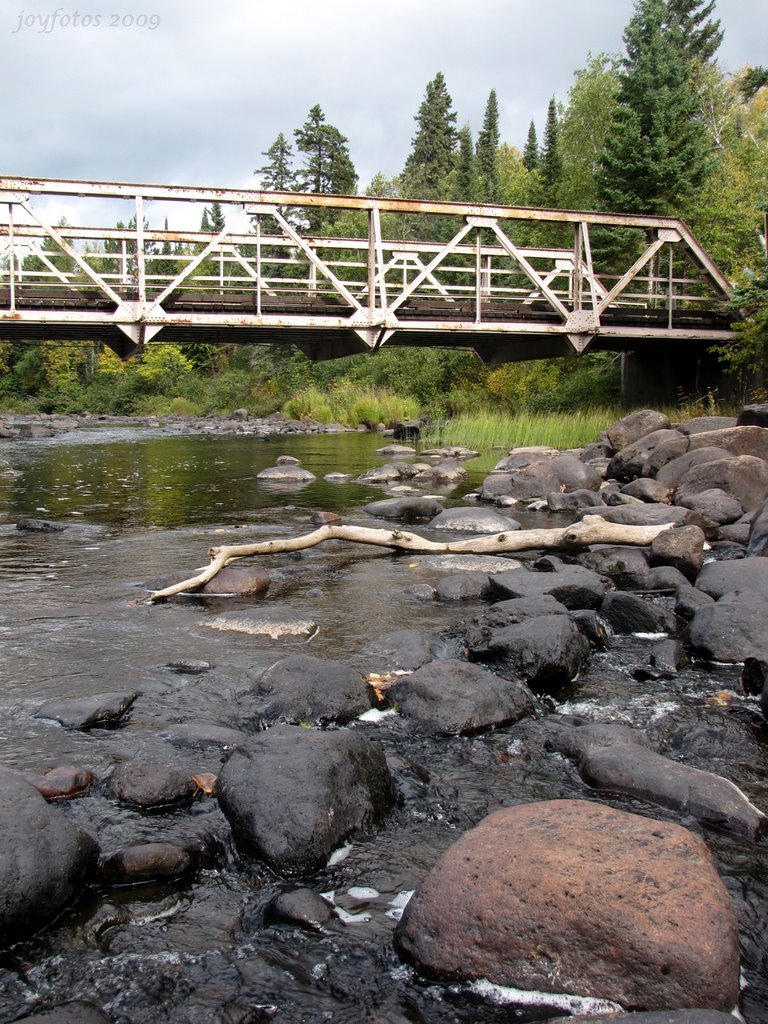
<point>660,128</point>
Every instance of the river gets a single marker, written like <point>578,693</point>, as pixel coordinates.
<point>138,503</point>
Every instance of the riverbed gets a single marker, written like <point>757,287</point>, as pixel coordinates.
<point>138,503</point>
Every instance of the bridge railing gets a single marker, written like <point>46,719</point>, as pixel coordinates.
<point>397,267</point>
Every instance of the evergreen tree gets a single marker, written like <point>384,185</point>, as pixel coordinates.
<point>433,146</point>
<point>212,219</point>
<point>551,164</point>
<point>278,175</point>
<point>700,38</point>
<point>488,152</point>
<point>329,167</point>
<point>465,183</point>
<point>656,154</point>
<point>531,150</point>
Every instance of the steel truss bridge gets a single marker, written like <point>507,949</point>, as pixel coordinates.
<point>512,283</point>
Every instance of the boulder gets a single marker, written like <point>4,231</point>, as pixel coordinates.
<point>406,510</point>
<point>573,501</point>
<point>743,477</point>
<point>634,426</point>
<point>146,862</point>
<point>629,462</point>
<point>237,581</point>
<point>647,489</point>
<point>75,1012</point>
<point>101,711</point>
<point>454,698</point>
<point>643,514</point>
<point>671,472</point>
<point>61,783</point>
<point>757,539</point>
<point>300,908</point>
<point>713,506</point>
<point>646,775</point>
<point>45,861</point>
<point>285,474</point>
<point>628,613</point>
<point>465,586</point>
<point>573,585</point>
<point>682,548</point>
<point>39,526</point>
<point>546,651</point>
<point>268,623</point>
<point>719,578</point>
<point>730,629</point>
<point>151,784</point>
<point>753,416</point>
<point>667,451</point>
<point>301,688</point>
<point>473,520</point>
<point>746,440</point>
<point>293,795</point>
<point>203,734</point>
<point>402,651</point>
<point>570,896</point>
<point>625,566</point>
<point>702,424</point>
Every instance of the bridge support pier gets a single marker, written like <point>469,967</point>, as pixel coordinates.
<point>656,377</point>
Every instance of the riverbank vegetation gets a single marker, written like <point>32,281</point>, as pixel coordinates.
<point>660,128</point>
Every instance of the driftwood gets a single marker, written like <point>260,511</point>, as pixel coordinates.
<point>591,530</point>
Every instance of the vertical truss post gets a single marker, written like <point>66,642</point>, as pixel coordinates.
<point>670,286</point>
<point>141,271</point>
<point>258,265</point>
<point>478,277</point>
<point>577,275</point>
<point>11,260</point>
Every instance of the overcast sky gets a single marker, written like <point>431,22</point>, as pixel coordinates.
<point>192,92</point>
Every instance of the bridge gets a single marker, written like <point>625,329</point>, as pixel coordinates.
<point>512,283</point>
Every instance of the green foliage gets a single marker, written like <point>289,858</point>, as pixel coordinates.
<point>487,428</point>
<point>487,152</point>
<point>465,186</point>
<point>350,406</point>
<point>531,150</point>
<point>700,38</point>
<point>433,149</point>
<point>557,384</point>
<point>328,166</point>
<point>551,163</point>
<point>657,153</point>
<point>278,175</point>
<point>747,355</point>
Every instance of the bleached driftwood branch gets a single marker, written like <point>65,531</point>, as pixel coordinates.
<point>591,530</point>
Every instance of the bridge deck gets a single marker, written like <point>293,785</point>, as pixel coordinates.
<point>498,279</point>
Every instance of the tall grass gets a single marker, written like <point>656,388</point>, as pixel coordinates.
<point>351,406</point>
<point>487,429</point>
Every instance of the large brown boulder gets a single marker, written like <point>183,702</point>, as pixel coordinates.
<point>574,897</point>
<point>747,440</point>
<point>634,426</point>
<point>744,477</point>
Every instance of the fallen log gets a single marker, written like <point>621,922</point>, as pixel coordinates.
<point>591,530</point>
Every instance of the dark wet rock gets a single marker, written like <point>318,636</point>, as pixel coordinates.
<point>465,586</point>
<point>573,501</point>
<point>146,862</point>
<point>453,452</point>
<point>629,462</point>
<point>386,474</point>
<point>403,651</point>
<point>718,578</point>
<point>743,477</point>
<point>39,526</point>
<point>738,532</point>
<point>663,662</point>
<point>573,585</point>
<point>44,859</point>
<point>190,666</point>
<point>755,415</point>
<point>625,566</point>
<point>203,734</point>
<point>407,430</point>
<point>299,907</point>
<point>546,651</point>
<point>518,609</point>
<point>754,675</point>
<point>473,520</point>
<point>572,896</point>
<point>285,474</point>
<point>730,629</point>
<point>293,795</point>
<point>405,510</point>
<point>757,540</point>
<point>672,471</point>
<point>574,736</point>
<point>744,440</point>
<point>647,489</point>
<point>666,578</point>
<point>682,548</point>
<point>715,506</point>
<point>533,481</point>
<point>35,431</point>
<point>689,600</point>
<point>646,775</point>
<point>62,783</point>
<point>667,451</point>
<point>302,688</point>
<point>455,698</point>
<point>591,628</point>
<point>75,1012</point>
<point>634,426</point>
<point>238,581</point>
<point>615,498</point>
<point>324,519</point>
<point>151,784</point>
<point>101,711</point>
<point>643,513</point>
<point>629,613</point>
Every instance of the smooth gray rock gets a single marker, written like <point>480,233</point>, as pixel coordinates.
<point>671,472</point>
<point>643,514</point>
<point>730,629</point>
<point>146,862</point>
<point>455,698</point>
<point>546,651</point>
<point>101,711</point>
<point>719,578</point>
<point>629,613</point>
<point>402,651</point>
<point>294,795</point>
<point>285,474</point>
<point>473,520</point>
<point>302,688</point>
<point>465,586</point>
<point>573,501</point>
<point>626,566</point>
<point>151,784</point>
<point>629,462</point>
<point>681,548</point>
<point>632,427</point>
<point>45,861</point>
<point>573,585</point>
<point>300,907</point>
<point>405,510</point>
<point>743,477</point>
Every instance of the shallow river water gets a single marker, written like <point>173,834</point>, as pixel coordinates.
<point>139,503</point>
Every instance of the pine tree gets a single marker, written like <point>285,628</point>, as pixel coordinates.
<point>212,219</point>
<point>432,155</point>
<point>531,150</point>
<point>487,152</point>
<point>465,184</point>
<point>278,175</point>
<point>551,163</point>
<point>329,168</point>
<point>700,38</point>
<point>656,154</point>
